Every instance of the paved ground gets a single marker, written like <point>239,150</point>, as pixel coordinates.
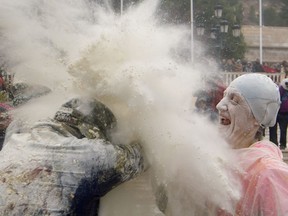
<point>134,197</point>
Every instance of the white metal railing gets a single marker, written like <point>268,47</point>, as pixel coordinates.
<point>230,76</point>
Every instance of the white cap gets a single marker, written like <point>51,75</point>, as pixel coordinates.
<point>262,96</point>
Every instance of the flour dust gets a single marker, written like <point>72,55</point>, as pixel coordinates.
<point>134,65</point>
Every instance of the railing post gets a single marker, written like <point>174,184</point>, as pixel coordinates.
<point>230,76</point>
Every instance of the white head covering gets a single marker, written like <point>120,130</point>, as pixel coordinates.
<point>261,94</point>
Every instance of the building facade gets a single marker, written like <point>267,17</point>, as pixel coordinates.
<point>274,43</point>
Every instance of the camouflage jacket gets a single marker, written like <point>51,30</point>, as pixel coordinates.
<point>56,169</point>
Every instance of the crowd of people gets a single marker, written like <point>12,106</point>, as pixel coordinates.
<point>232,65</point>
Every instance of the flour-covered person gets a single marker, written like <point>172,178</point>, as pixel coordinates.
<point>251,103</point>
<point>64,165</point>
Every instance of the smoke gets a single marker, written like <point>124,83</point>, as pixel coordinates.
<point>134,65</point>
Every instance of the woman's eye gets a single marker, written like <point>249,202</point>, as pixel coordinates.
<point>234,102</point>
<point>234,99</point>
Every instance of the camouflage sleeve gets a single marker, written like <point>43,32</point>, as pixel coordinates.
<point>130,160</point>
<point>128,164</point>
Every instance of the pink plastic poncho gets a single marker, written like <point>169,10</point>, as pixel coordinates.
<point>265,181</point>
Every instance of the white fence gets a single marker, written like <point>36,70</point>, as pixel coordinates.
<point>229,76</point>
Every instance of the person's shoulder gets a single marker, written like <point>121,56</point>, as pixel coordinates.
<point>268,149</point>
<point>271,158</point>
<point>272,174</point>
<point>263,156</point>
<point>268,171</point>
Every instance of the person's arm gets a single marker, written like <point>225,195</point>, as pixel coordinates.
<point>112,165</point>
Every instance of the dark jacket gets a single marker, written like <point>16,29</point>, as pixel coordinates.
<point>284,100</point>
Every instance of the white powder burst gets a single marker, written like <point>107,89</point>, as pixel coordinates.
<point>132,64</point>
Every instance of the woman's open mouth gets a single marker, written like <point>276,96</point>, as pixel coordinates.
<point>225,121</point>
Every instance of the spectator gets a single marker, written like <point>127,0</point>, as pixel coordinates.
<point>268,69</point>
<point>257,66</point>
<point>238,67</point>
<point>284,68</point>
<point>273,136</point>
<point>248,67</point>
<point>282,117</point>
<point>2,84</point>
<point>228,67</point>
<point>273,132</point>
<point>277,67</point>
<point>223,63</point>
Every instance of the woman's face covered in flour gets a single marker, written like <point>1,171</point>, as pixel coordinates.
<point>237,123</point>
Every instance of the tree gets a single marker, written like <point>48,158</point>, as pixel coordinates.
<point>284,13</point>
<point>227,45</point>
<point>179,12</point>
<point>252,15</point>
<point>173,11</point>
<point>270,17</point>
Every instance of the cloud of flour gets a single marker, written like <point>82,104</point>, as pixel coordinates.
<point>133,64</point>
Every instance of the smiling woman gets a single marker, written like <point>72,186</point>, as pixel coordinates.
<point>251,103</point>
<point>237,122</point>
